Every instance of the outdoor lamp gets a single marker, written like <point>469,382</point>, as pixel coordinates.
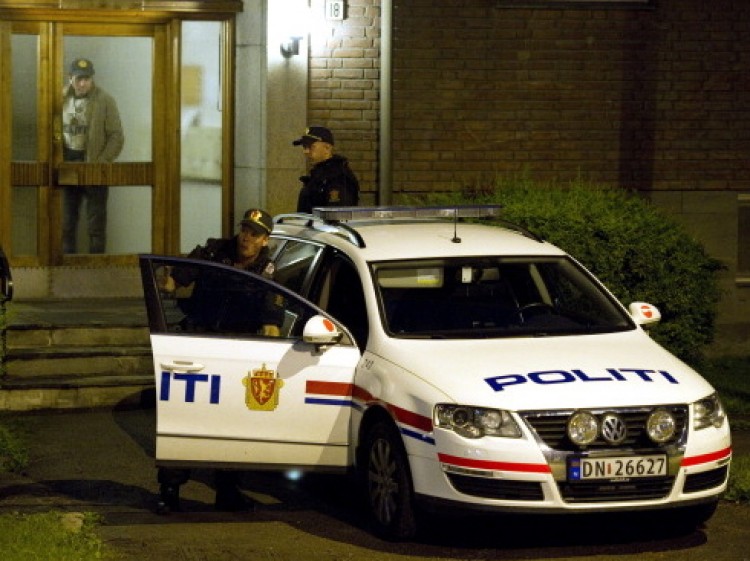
<point>295,26</point>
<point>290,46</point>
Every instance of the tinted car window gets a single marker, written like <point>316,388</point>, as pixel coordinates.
<point>340,293</point>
<point>494,297</point>
<point>197,297</point>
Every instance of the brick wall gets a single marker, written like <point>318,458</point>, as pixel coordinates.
<point>655,99</point>
<point>344,86</point>
<point>652,99</point>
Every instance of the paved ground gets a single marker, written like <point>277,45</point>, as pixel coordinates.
<point>102,461</point>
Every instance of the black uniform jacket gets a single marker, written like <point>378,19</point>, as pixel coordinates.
<point>330,183</point>
<point>216,304</point>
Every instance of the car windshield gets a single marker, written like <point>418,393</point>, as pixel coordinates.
<point>488,297</point>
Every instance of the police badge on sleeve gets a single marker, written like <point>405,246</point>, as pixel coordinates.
<point>262,387</point>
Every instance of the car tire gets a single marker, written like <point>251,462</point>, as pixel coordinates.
<point>387,484</point>
<point>691,517</point>
<point>677,520</point>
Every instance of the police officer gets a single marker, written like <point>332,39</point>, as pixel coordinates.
<point>331,181</point>
<point>247,250</point>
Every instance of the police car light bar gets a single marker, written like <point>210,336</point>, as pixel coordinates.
<point>341,214</point>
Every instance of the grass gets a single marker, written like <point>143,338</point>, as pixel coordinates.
<point>51,536</point>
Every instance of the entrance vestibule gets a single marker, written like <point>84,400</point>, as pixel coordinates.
<point>171,76</point>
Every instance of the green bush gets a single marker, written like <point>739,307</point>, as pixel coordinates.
<point>730,375</point>
<point>639,252</point>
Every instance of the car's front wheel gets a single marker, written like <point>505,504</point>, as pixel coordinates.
<point>388,488</point>
<point>690,517</point>
<point>677,520</point>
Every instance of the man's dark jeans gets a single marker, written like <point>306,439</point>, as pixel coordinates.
<point>96,212</point>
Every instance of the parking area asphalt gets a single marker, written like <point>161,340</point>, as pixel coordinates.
<point>103,461</point>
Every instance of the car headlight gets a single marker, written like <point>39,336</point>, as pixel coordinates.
<point>583,428</point>
<point>661,426</point>
<point>475,422</point>
<point>708,412</point>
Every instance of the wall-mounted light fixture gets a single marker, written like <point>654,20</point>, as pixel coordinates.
<point>294,22</point>
<point>290,46</point>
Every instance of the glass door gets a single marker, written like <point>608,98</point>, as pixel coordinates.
<point>84,148</point>
<point>115,137</point>
<point>103,129</point>
<point>28,175</point>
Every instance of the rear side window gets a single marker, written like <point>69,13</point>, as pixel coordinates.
<point>294,263</point>
<point>339,291</point>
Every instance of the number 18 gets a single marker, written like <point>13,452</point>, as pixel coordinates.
<point>335,9</point>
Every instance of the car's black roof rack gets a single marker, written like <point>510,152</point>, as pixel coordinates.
<point>333,219</point>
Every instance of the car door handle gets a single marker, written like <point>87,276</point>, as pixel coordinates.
<point>182,366</point>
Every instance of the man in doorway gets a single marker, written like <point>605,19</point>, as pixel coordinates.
<point>331,181</point>
<point>92,132</point>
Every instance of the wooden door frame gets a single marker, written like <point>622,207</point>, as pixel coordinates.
<point>163,19</point>
<point>6,132</point>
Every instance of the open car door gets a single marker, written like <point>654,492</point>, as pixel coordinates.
<point>228,396</point>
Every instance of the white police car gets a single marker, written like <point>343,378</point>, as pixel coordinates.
<point>449,363</point>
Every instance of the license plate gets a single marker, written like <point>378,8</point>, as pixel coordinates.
<point>625,467</point>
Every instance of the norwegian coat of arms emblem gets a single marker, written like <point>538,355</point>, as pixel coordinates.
<point>262,389</point>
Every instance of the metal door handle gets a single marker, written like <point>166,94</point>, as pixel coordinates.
<point>182,366</point>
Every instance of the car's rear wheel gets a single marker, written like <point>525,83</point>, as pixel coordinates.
<point>387,483</point>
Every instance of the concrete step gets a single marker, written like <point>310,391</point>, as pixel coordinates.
<point>84,361</point>
<point>76,312</point>
<point>77,393</point>
<point>35,337</point>
<point>75,353</point>
<point>75,381</point>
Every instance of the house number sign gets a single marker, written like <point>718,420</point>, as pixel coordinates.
<point>335,10</point>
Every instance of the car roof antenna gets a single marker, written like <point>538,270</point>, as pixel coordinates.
<point>455,239</point>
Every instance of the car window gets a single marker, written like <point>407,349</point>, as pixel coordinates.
<point>275,245</point>
<point>294,262</point>
<point>493,297</point>
<point>339,292</point>
<point>201,297</point>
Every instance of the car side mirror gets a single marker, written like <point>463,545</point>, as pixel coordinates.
<point>321,332</point>
<point>644,314</point>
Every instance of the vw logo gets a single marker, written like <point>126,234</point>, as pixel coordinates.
<point>613,429</point>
